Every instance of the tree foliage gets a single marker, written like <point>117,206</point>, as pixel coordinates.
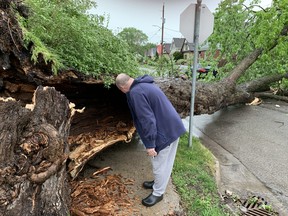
<point>135,38</point>
<point>177,55</point>
<point>239,29</point>
<point>74,38</point>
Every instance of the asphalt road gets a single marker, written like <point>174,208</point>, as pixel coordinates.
<point>251,145</point>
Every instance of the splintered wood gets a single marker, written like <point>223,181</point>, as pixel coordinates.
<point>91,145</point>
<point>93,131</point>
<point>102,195</point>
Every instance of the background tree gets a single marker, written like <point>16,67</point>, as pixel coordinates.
<point>177,55</point>
<point>135,38</point>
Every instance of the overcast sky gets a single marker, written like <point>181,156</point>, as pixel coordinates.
<point>145,15</point>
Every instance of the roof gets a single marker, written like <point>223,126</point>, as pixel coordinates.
<point>178,42</point>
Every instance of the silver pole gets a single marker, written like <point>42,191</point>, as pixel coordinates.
<point>194,74</point>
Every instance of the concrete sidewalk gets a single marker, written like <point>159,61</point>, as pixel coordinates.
<point>131,161</point>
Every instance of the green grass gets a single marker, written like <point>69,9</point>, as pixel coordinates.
<point>193,176</point>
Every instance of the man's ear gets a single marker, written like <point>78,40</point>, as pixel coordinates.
<point>122,88</point>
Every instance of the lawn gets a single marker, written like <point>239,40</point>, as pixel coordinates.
<point>193,176</point>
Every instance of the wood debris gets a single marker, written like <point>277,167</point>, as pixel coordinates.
<point>92,131</point>
<point>255,102</point>
<point>89,146</point>
<point>102,195</point>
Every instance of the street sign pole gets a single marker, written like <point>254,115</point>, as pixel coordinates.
<point>195,60</point>
<point>190,20</point>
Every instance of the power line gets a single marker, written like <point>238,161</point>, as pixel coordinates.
<point>154,34</point>
<point>171,30</point>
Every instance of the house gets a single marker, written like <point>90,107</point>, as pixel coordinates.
<point>151,53</point>
<point>183,46</point>
<point>176,45</point>
<point>167,49</point>
<point>203,51</point>
<point>188,50</point>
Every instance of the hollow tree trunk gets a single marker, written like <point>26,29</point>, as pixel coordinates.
<point>33,151</point>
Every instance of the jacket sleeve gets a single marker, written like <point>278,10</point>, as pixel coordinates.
<point>145,120</point>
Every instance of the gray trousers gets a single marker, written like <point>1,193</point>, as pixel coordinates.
<point>162,166</point>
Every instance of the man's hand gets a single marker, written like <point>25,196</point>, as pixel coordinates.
<point>151,152</point>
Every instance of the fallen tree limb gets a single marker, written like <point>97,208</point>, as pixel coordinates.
<point>271,95</point>
<point>262,84</point>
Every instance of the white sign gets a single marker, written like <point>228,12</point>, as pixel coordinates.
<point>187,21</point>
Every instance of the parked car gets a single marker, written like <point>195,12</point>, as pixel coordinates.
<point>203,71</point>
<point>183,68</point>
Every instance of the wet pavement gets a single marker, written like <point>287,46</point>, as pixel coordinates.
<point>251,146</point>
<point>131,162</point>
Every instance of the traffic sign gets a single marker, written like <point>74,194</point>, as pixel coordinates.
<point>187,21</point>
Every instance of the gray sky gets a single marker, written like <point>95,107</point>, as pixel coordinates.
<point>145,15</point>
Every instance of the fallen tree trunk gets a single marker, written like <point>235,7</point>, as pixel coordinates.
<point>211,97</point>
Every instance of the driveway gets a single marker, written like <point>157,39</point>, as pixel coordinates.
<point>251,145</point>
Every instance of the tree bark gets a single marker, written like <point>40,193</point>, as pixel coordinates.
<point>33,153</point>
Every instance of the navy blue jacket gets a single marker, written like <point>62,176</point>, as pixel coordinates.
<point>156,120</point>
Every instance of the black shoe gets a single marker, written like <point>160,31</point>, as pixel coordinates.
<point>148,184</point>
<point>151,200</point>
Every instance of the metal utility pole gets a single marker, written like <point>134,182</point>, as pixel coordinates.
<point>162,28</point>
<point>195,60</point>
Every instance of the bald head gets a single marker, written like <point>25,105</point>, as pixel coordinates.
<point>123,82</point>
